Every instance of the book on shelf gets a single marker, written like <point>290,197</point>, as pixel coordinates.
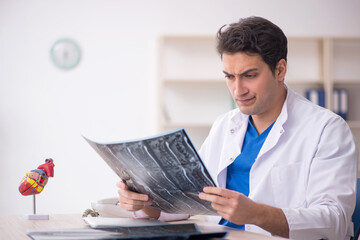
<point>339,99</point>
<point>340,102</point>
<point>316,96</point>
<point>167,167</point>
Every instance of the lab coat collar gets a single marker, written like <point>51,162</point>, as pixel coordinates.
<point>262,164</point>
<point>236,133</point>
<point>278,128</point>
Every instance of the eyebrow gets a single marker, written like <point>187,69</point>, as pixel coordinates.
<point>243,73</point>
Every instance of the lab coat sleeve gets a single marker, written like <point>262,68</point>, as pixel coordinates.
<point>331,188</point>
<point>165,217</point>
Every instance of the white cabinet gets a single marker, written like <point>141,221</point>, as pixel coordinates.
<point>345,71</point>
<point>192,89</point>
<point>304,64</point>
<point>193,92</point>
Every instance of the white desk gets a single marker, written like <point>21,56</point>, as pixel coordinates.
<point>14,226</point>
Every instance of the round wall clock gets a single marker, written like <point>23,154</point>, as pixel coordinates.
<point>65,53</point>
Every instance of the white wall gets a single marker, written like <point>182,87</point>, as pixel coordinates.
<point>111,94</point>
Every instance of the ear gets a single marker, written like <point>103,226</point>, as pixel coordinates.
<point>280,70</point>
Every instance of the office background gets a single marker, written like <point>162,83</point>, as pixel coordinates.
<point>111,94</point>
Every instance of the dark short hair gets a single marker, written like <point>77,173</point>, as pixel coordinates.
<point>254,35</point>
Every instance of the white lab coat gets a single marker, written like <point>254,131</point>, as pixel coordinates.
<point>307,167</point>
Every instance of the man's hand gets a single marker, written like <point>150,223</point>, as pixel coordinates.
<point>131,201</point>
<point>239,209</point>
<point>231,205</point>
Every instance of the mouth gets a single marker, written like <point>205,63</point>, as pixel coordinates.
<point>245,101</point>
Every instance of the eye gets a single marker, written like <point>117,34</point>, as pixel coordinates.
<point>252,75</point>
<point>229,77</point>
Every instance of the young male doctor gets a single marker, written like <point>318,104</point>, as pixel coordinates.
<point>284,166</point>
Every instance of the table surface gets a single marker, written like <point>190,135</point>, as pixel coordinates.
<point>15,227</point>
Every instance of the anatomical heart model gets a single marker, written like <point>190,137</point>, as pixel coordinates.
<point>34,182</point>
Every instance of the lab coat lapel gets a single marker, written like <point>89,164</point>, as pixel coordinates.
<point>271,139</point>
<point>276,131</point>
<point>261,167</point>
<point>234,138</point>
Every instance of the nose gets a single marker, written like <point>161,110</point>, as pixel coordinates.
<point>239,87</point>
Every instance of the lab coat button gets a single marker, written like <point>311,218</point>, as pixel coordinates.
<point>232,130</point>
<point>281,131</point>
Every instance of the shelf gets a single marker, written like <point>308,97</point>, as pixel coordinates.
<point>346,63</point>
<point>190,58</point>
<point>304,81</point>
<point>301,88</point>
<point>195,103</point>
<point>197,133</point>
<point>354,124</point>
<point>304,59</point>
<point>353,99</point>
<point>195,81</point>
<point>193,91</point>
<point>347,82</point>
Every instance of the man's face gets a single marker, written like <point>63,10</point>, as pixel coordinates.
<point>253,86</point>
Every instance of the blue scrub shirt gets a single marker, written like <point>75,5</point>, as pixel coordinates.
<point>238,172</point>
